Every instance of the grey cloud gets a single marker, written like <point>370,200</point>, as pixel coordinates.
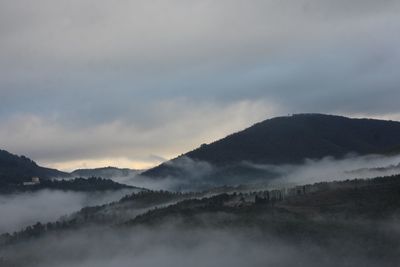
<point>84,64</point>
<point>183,126</point>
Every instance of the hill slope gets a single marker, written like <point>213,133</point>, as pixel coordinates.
<point>16,169</point>
<point>289,140</point>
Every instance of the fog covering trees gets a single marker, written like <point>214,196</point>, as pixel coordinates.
<point>345,223</point>
<point>22,209</point>
<point>310,214</point>
<point>171,245</point>
<point>199,175</point>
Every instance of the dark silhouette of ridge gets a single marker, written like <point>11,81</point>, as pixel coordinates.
<point>16,169</point>
<point>292,139</point>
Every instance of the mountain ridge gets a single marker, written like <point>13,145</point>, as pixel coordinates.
<point>109,171</point>
<point>292,139</point>
<point>17,169</point>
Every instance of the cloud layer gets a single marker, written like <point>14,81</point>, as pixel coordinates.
<point>162,77</point>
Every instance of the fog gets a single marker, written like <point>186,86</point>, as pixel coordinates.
<point>171,245</point>
<point>191,174</point>
<point>23,209</point>
<point>330,169</point>
<point>166,183</point>
<point>177,243</point>
<point>195,175</point>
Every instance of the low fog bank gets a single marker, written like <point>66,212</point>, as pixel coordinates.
<point>211,233</point>
<point>167,183</point>
<point>197,175</point>
<point>330,169</point>
<point>170,245</point>
<point>23,209</point>
<point>192,175</point>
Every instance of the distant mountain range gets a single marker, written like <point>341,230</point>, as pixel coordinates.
<point>281,140</point>
<point>288,140</point>
<point>109,172</point>
<point>357,221</point>
<point>17,169</point>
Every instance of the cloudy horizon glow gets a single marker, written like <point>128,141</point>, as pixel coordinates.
<point>130,83</point>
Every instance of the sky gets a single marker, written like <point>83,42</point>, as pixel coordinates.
<point>89,83</point>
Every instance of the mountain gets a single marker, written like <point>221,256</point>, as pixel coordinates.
<point>16,169</point>
<point>107,172</point>
<point>289,140</point>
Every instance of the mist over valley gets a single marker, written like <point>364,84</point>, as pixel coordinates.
<point>207,133</point>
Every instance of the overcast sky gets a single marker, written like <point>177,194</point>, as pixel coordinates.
<point>87,83</point>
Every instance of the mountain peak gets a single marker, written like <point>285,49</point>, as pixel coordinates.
<point>292,139</point>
